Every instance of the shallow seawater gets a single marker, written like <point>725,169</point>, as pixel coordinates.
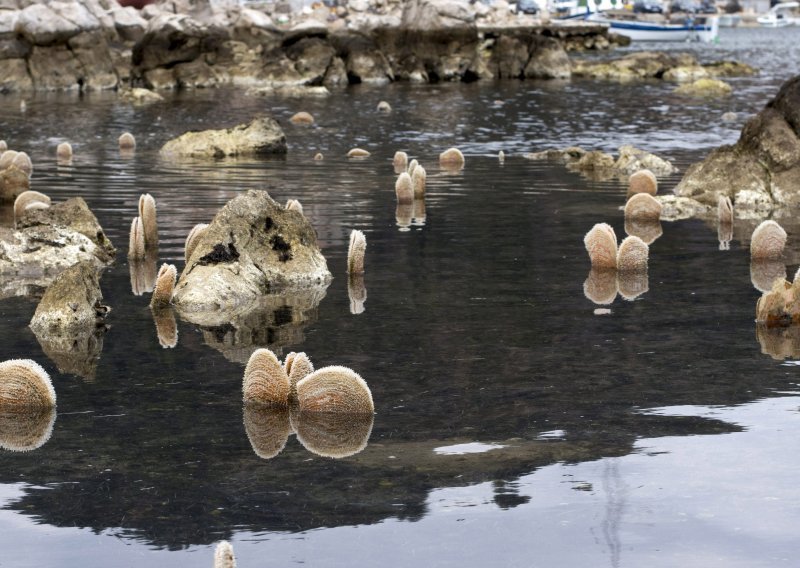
<point>514,424</point>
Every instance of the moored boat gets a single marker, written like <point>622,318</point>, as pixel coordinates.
<point>652,27</point>
<point>781,15</point>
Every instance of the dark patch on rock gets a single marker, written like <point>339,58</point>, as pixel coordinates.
<point>282,316</point>
<point>280,246</point>
<point>220,253</point>
<point>268,224</point>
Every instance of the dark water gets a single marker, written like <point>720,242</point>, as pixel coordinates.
<point>513,425</point>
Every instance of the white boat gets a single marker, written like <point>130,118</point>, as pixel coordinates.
<point>780,16</point>
<point>692,27</point>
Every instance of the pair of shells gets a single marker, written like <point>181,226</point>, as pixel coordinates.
<point>409,187</point>
<point>19,160</point>
<point>29,200</point>
<point>330,389</point>
<point>144,228</point>
<point>768,241</point>
<point>601,244</point>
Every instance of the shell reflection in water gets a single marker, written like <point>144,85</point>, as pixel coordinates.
<point>403,214</point>
<point>631,285</point>
<point>767,241</point>
<point>166,326</point>
<point>725,235</point>
<point>223,555</point>
<point>26,431</point>
<point>725,210</point>
<point>600,286</point>
<point>268,429</point>
<point>779,342</point>
<point>419,216</point>
<point>763,273</point>
<point>357,293</point>
<point>647,230</point>
<point>143,273</point>
<point>333,434</point>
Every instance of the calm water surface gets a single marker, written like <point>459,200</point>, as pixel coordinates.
<point>514,425</point>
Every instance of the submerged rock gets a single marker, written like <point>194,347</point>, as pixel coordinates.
<point>261,136</point>
<point>252,247</point>
<point>705,88</point>
<point>603,165</point>
<point>762,170</point>
<point>659,65</point>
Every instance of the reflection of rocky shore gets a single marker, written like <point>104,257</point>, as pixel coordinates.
<point>77,353</point>
<point>273,321</point>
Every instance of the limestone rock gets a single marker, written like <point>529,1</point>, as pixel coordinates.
<point>762,170</point>
<point>261,136</point>
<point>139,96</point>
<point>705,88</point>
<point>437,14</point>
<point>253,246</point>
<point>72,302</point>
<point>14,75</point>
<point>548,60</point>
<point>631,160</point>
<point>40,24</point>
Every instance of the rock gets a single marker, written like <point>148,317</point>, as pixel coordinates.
<point>427,15</point>
<point>72,302</point>
<point>171,39</point>
<point>548,60</point>
<point>252,247</point>
<point>128,23</point>
<point>54,68</point>
<point>76,353</point>
<point>262,136</point>
<point>14,76</point>
<point>659,65</point>
<point>140,96</point>
<point>94,58</point>
<point>675,208</point>
<point>298,91</point>
<point>631,160</point>
<point>40,24</point>
<point>762,170</point>
<point>368,66</point>
<point>705,88</point>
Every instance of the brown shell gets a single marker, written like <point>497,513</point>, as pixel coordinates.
<point>165,286</point>
<point>412,165</point>
<point>143,273</point>
<point>6,158</point>
<point>404,188</point>
<point>298,368</point>
<point>24,384</point>
<point>193,238</point>
<point>644,207</point>
<point>418,181</point>
<point>319,157</point>
<point>333,434</point>
<point>147,212</point>
<point>223,555</point>
<point>767,241</point>
<point>268,428</point>
<point>265,381</point>
<point>166,327</point>
<point>451,158</point>
<point>643,181</point>
<point>127,141</point>
<point>294,205</point>
<point>601,244</point>
<point>400,162</point>
<point>763,273</point>
<point>27,430</point>
<point>136,239</point>
<point>356,252</point>
<point>383,106</point>
<point>632,255</point>
<point>601,286</point>
<point>3,146</point>
<point>23,162</point>
<point>64,151</point>
<point>725,210</point>
<point>302,117</point>
<point>334,389</point>
<point>357,153</point>
<point>27,198</point>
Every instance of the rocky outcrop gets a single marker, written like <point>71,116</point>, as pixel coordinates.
<point>658,65</point>
<point>261,136</point>
<point>72,302</point>
<point>601,165</point>
<point>253,246</point>
<point>705,88</point>
<point>762,170</point>
<point>46,242</point>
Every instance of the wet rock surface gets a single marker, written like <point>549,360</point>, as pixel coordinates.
<point>261,136</point>
<point>761,171</point>
<point>253,246</point>
<point>600,165</point>
<point>72,302</point>
<point>659,65</point>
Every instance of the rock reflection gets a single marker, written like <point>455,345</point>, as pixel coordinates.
<point>357,293</point>
<point>403,215</point>
<point>144,272</point>
<point>601,286</point>
<point>327,434</point>
<point>333,434</point>
<point>166,326</point>
<point>273,321</point>
<point>26,431</point>
<point>779,342</point>
<point>267,428</point>
<point>647,230</point>
<point>76,353</point>
<point>763,273</point>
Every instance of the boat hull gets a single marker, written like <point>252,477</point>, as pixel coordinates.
<point>653,31</point>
